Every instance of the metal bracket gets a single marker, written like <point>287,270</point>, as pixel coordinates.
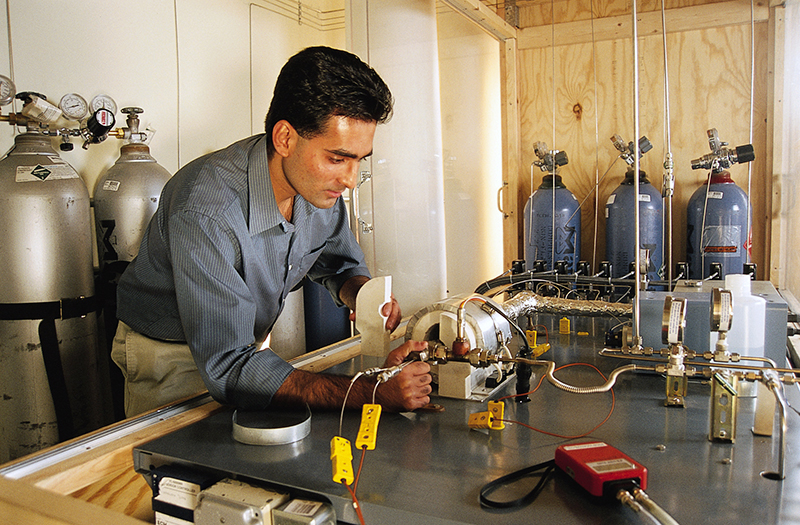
<point>366,227</point>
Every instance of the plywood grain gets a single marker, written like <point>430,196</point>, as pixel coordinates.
<point>590,97</point>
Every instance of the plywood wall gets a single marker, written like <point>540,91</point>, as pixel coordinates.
<point>576,90</point>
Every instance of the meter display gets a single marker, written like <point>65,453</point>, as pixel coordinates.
<point>103,102</point>
<point>74,106</point>
<point>7,90</point>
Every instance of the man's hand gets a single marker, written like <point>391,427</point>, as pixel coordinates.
<point>390,310</point>
<point>410,389</point>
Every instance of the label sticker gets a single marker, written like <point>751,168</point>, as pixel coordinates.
<point>111,185</point>
<point>40,173</point>
<point>644,197</point>
<point>303,507</point>
<point>726,309</point>
<point>166,519</point>
<point>585,446</point>
<point>611,465</point>
<point>715,194</point>
<point>178,492</point>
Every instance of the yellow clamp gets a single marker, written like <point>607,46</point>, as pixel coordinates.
<point>540,349</point>
<point>492,419</point>
<point>342,460</point>
<point>368,432</point>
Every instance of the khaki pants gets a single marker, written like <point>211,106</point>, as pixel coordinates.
<point>156,372</point>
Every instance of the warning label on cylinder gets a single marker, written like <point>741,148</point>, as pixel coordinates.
<point>723,240</point>
<point>41,173</point>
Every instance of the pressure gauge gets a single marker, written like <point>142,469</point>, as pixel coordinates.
<point>7,90</point>
<point>104,102</point>
<point>74,106</point>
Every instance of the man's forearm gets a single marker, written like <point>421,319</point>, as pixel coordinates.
<point>350,288</point>
<point>323,391</point>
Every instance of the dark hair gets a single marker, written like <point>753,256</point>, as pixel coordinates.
<point>320,82</point>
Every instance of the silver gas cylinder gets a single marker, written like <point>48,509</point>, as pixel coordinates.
<point>46,267</point>
<point>125,198</point>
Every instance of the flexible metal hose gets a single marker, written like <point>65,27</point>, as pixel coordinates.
<point>608,385</point>
<point>526,303</point>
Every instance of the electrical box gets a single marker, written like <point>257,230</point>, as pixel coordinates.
<point>234,502</point>
<point>600,468</point>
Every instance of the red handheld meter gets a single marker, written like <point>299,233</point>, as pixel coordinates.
<point>600,468</point>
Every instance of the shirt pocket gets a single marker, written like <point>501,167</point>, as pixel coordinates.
<point>299,269</point>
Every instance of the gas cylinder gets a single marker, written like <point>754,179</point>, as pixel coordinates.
<point>620,229</point>
<point>49,362</point>
<point>723,218</point>
<point>125,198</point>
<point>538,227</point>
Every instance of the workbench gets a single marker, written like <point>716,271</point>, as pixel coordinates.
<point>429,467</point>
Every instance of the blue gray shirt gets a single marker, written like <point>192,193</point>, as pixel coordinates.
<point>217,262</point>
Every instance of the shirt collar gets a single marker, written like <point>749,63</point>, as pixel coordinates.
<point>263,208</point>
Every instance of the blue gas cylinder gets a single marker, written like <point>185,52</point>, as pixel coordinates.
<point>725,237</point>
<point>538,228</point>
<point>621,230</point>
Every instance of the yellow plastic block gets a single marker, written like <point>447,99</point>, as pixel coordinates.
<point>496,409</point>
<point>563,326</point>
<point>530,335</point>
<point>342,460</point>
<point>368,432</point>
<point>480,420</point>
<point>539,350</point>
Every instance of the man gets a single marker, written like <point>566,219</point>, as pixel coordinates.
<point>236,230</point>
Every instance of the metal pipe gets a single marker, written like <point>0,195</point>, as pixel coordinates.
<point>669,175</point>
<point>613,352</point>
<point>771,379</point>
<point>658,513</point>
<point>637,339</point>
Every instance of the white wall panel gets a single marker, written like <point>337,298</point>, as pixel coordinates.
<point>406,192</point>
<point>124,49</point>
<point>469,70</point>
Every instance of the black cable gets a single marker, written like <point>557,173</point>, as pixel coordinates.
<point>512,323</point>
<point>486,490</point>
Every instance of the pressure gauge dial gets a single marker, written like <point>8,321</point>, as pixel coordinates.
<point>103,102</point>
<point>74,106</point>
<point>7,90</point>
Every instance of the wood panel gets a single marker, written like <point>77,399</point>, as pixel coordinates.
<point>543,12</point>
<point>23,504</point>
<point>729,13</point>
<point>709,75</point>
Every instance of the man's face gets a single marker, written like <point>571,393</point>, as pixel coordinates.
<point>322,167</point>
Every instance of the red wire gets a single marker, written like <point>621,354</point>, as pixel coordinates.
<point>613,403</point>
<point>360,466</point>
<point>525,394</point>
<point>355,504</point>
<point>546,333</point>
